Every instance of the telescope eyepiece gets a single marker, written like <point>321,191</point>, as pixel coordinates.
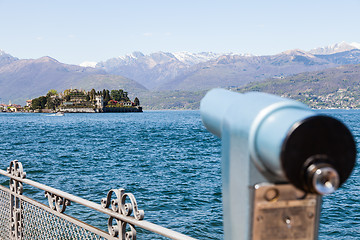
<point>323,178</point>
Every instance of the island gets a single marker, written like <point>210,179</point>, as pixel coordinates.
<point>81,101</point>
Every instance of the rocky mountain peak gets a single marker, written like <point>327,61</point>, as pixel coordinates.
<point>6,58</point>
<point>46,59</point>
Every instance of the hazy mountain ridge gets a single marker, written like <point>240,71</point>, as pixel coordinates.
<point>6,58</point>
<point>25,79</point>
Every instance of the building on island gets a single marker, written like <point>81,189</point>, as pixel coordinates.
<point>28,103</point>
<point>99,101</point>
<point>10,108</point>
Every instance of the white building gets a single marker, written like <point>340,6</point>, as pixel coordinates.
<point>99,101</point>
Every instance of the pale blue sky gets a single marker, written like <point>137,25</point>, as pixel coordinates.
<point>78,31</point>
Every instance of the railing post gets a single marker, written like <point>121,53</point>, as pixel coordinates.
<point>16,188</point>
<point>119,205</point>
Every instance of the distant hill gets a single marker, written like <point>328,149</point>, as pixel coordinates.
<point>25,79</point>
<point>337,87</point>
<point>330,88</point>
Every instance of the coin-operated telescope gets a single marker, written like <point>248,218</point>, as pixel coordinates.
<point>278,158</point>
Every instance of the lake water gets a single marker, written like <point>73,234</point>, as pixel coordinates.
<point>167,159</point>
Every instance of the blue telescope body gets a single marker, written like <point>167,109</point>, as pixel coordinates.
<point>273,140</point>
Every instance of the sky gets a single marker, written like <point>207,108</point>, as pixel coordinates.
<point>77,31</point>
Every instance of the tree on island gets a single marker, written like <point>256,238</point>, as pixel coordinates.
<point>92,94</point>
<point>52,92</point>
<point>39,103</point>
<point>52,99</point>
<point>137,102</point>
<point>119,95</point>
<point>107,97</point>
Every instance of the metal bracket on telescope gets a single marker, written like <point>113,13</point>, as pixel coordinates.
<point>284,212</point>
<point>278,158</point>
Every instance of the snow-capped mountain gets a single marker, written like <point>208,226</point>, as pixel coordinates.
<point>154,69</point>
<point>190,71</point>
<point>164,57</point>
<point>88,64</point>
<point>195,58</point>
<point>335,48</point>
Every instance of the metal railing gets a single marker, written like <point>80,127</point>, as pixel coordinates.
<point>24,218</point>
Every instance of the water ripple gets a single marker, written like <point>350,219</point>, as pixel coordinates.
<point>166,159</point>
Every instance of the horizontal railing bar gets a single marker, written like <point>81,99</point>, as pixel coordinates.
<point>140,223</point>
<point>61,215</point>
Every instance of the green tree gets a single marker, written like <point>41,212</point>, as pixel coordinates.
<point>92,94</point>
<point>52,99</point>
<point>52,92</point>
<point>67,92</point>
<point>39,103</point>
<point>52,102</point>
<point>107,96</point>
<point>137,101</point>
<point>115,94</point>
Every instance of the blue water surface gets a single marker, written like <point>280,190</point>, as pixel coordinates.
<point>167,159</point>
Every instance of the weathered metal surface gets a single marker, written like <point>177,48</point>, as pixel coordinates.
<point>57,203</point>
<point>119,205</point>
<point>283,212</point>
<point>24,218</point>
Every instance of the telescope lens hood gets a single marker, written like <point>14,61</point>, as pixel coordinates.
<point>316,148</point>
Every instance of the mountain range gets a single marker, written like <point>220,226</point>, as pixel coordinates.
<point>167,71</point>
<point>158,78</point>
